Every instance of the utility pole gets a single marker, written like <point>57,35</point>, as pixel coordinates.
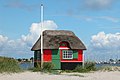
<point>41,36</point>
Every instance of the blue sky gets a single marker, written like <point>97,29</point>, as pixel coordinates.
<point>95,22</point>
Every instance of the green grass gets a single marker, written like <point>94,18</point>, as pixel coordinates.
<point>47,67</point>
<point>88,66</point>
<point>9,65</point>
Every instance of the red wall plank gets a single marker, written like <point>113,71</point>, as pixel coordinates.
<point>47,55</point>
<point>80,55</point>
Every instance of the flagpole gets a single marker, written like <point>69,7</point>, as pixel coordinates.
<point>41,36</point>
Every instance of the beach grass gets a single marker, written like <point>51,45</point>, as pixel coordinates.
<point>88,66</point>
<point>47,67</point>
<point>9,65</point>
<point>109,68</point>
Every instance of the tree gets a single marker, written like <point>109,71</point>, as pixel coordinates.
<point>26,60</point>
<point>111,60</point>
<point>19,60</point>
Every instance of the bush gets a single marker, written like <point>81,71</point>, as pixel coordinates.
<point>9,65</point>
<point>36,68</point>
<point>48,66</point>
<point>88,66</point>
<point>79,68</point>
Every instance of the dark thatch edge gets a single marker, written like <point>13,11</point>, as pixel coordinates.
<point>52,38</point>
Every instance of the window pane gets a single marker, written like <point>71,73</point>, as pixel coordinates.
<point>67,54</point>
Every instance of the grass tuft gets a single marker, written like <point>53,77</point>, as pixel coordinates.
<point>9,65</point>
<point>47,67</point>
<point>109,68</point>
<point>89,66</point>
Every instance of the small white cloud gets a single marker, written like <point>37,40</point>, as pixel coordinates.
<point>47,25</point>
<point>3,40</point>
<point>35,30</point>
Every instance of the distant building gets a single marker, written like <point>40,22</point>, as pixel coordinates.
<point>61,47</point>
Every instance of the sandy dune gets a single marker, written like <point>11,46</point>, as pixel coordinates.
<point>64,76</point>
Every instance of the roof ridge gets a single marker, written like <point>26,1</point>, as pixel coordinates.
<point>58,32</point>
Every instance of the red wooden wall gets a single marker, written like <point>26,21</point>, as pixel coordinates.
<point>47,55</point>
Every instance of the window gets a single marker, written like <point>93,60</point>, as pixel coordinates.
<point>64,44</point>
<point>67,54</point>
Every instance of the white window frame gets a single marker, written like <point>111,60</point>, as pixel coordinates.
<point>66,54</point>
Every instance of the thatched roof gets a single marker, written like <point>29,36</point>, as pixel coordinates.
<point>52,39</point>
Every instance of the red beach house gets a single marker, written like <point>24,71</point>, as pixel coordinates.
<point>61,47</point>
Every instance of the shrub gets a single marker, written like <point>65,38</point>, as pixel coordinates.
<point>37,67</point>
<point>88,66</point>
<point>9,65</point>
<point>48,66</point>
<point>79,68</point>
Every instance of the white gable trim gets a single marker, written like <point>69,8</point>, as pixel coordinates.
<point>64,48</point>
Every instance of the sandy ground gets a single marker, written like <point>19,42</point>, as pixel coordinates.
<point>64,76</point>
